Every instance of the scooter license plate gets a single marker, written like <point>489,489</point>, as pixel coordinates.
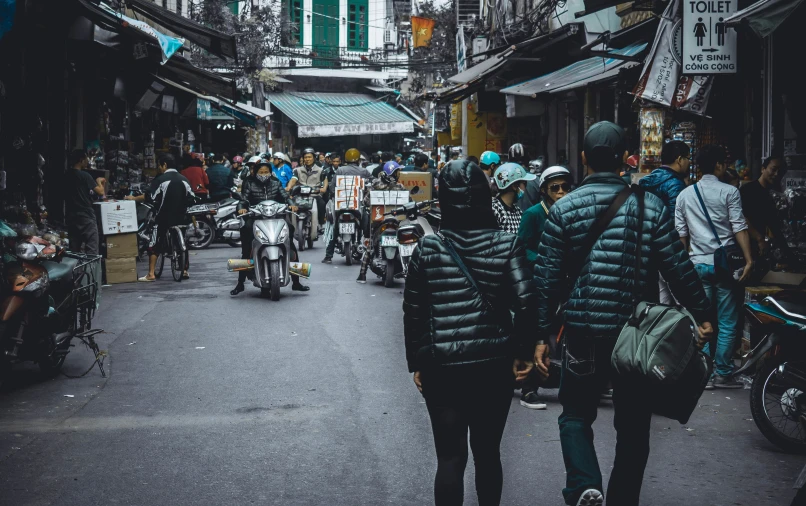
<point>388,240</point>
<point>407,249</point>
<point>347,228</point>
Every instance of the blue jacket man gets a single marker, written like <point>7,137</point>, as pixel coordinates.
<point>282,171</point>
<point>221,181</point>
<point>667,181</point>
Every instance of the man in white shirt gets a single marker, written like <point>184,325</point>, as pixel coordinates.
<point>724,207</point>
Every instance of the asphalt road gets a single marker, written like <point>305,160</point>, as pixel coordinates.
<point>306,401</point>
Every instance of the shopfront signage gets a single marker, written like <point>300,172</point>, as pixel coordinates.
<point>709,45</point>
<point>400,127</point>
<point>204,110</point>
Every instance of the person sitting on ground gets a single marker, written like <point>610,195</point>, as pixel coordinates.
<point>464,357</point>
<point>511,179</point>
<point>258,187</point>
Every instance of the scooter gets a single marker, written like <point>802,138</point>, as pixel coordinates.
<point>349,225</point>
<point>271,248</point>
<point>302,197</point>
<point>48,299</point>
<point>214,222</point>
<point>778,393</point>
<point>397,244</point>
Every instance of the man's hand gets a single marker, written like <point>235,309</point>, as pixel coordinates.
<point>418,380</point>
<point>705,331</point>
<point>521,369</point>
<point>241,211</point>
<point>542,360</point>
<point>128,197</point>
<point>294,209</point>
<point>748,269</point>
<point>100,180</point>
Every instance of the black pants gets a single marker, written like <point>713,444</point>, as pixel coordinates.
<point>462,399</point>
<point>246,249</point>
<point>83,234</point>
<point>586,371</point>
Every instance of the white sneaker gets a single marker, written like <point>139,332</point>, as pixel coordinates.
<point>591,497</point>
<point>530,400</point>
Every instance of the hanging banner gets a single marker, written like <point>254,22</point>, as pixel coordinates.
<point>461,50</point>
<point>692,94</point>
<point>168,45</point>
<point>662,68</point>
<point>422,29</point>
<point>709,45</point>
<point>204,110</point>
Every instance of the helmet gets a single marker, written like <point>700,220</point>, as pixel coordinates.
<point>286,158</point>
<point>516,151</point>
<point>489,158</point>
<point>308,151</point>
<point>553,173</point>
<point>237,159</point>
<point>391,167</point>
<point>263,163</point>
<point>509,174</point>
<point>254,159</point>
<point>352,155</point>
<point>278,155</point>
<point>633,161</point>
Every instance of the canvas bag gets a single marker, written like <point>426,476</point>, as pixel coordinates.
<point>727,259</point>
<point>658,348</point>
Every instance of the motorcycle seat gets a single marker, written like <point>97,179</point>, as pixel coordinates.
<point>60,270</point>
<point>793,303</point>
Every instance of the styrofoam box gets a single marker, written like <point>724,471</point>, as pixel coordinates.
<point>388,198</point>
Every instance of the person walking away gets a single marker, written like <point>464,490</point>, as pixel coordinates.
<point>260,186</point>
<point>282,170</point>
<point>170,194</point>
<point>759,209</point>
<point>554,184</point>
<point>220,180</point>
<point>352,168</point>
<point>489,162</point>
<point>197,177</point>
<point>597,306</point>
<point>666,182</point>
<point>399,159</point>
<point>375,166</point>
<point>511,179</point>
<point>697,233</point>
<point>81,188</point>
<point>462,343</point>
<point>310,174</point>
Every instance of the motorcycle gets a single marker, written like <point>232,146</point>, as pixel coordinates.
<point>214,222</point>
<point>48,299</point>
<point>271,248</point>
<point>778,393</point>
<point>302,197</point>
<point>349,226</point>
<point>397,240</point>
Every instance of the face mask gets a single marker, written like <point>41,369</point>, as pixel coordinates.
<point>520,194</point>
<point>263,178</point>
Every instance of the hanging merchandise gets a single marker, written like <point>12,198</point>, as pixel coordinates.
<point>651,139</point>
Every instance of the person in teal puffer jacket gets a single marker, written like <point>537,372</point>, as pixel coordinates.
<point>599,304</point>
<point>667,181</point>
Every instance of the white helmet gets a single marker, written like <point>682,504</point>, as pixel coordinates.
<point>254,159</point>
<point>286,158</point>
<point>516,152</point>
<point>553,173</point>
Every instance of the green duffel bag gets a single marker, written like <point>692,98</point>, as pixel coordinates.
<point>658,347</point>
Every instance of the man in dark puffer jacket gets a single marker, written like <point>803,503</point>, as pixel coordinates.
<point>461,353</point>
<point>599,305</point>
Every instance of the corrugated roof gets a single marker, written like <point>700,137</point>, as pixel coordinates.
<point>335,108</point>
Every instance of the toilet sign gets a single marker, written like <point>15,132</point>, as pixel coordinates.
<point>709,45</point>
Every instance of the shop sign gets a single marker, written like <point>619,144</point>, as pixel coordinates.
<point>709,45</point>
<point>356,129</point>
<point>204,110</point>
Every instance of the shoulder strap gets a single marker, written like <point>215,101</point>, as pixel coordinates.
<point>462,267</point>
<point>707,216</point>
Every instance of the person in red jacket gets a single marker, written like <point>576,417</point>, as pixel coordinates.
<point>198,178</point>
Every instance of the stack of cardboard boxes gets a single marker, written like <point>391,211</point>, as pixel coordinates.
<point>119,228</point>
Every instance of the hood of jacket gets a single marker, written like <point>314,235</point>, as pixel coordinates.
<point>664,183</point>
<point>464,197</point>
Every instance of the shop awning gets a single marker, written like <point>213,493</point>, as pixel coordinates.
<point>764,16</point>
<point>336,114</point>
<point>180,70</point>
<point>488,66</point>
<point>217,43</point>
<point>419,119</point>
<point>609,75</point>
<point>256,111</point>
<point>381,89</point>
<point>575,72</point>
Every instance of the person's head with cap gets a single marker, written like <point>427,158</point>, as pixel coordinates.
<point>464,197</point>
<point>392,168</point>
<point>399,158</point>
<point>263,170</point>
<point>555,183</point>
<point>605,147</point>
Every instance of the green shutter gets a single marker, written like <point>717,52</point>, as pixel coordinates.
<point>357,29</point>
<point>234,5</point>
<point>295,14</point>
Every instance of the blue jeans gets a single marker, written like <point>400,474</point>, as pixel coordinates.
<point>725,299</point>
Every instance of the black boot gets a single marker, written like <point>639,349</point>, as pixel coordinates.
<point>362,278</point>
<point>238,289</point>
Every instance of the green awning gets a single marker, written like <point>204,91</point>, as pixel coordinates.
<point>764,16</point>
<point>336,114</point>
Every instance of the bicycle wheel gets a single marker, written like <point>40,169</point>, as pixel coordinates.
<point>178,258</point>
<point>160,265</point>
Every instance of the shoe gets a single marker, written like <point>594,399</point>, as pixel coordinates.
<point>327,260</point>
<point>726,382</point>
<point>710,384</point>
<point>299,287</point>
<point>238,289</point>
<point>530,400</point>
<point>591,497</point>
<point>607,394</point>
<point>362,278</point>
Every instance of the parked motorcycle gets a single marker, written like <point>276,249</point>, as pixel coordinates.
<point>214,222</point>
<point>397,240</point>
<point>348,222</point>
<point>271,247</point>
<point>778,394</point>
<point>302,197</point>
<point>48,299</point>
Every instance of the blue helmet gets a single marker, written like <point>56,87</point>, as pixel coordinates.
<point>391,167</point>
<point>490,157</point>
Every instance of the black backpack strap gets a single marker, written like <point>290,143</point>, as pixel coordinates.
<point>639,194</point>
<point>462,267</point>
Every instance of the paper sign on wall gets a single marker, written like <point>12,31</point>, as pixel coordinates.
<point>709,45</point>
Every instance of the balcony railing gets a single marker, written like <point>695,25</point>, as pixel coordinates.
<point>335,57</point>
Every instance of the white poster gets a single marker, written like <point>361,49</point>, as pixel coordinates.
<point>662,68</point>
<point>709,45</point>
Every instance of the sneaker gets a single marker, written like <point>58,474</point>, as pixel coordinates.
<point>726,382</point>
<point>327,260</point>
<point>710,384</point>
<point>607,394</point>
<point>591,497</point>
<point>362,278</point>
<point>530,400</point>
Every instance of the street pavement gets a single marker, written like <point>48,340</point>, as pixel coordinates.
<point>219,400</point>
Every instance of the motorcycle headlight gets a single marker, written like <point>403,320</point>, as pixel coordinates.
<point>26,251</point>
<point>260,235</point>
<point>40,284</point>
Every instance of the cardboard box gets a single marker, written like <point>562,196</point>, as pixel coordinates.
<point>120,270</point>
<point>118,217</point>
<point>422,180</point>
<point>388,197</point>
<point>121,246</point>
<point>349,182</point>
<point>378,212</point>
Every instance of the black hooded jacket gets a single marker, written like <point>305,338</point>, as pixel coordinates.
<point>254,192</point>
<point>446,321</point>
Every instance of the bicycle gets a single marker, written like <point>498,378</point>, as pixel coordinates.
<point>178,253</point>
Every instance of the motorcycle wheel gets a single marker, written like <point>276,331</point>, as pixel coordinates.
<point>301,242</point>
<point>389,278</point>
<point>274,270</point>
<point>777,407</point>
<point>207,231</point>
<point>348,253</point>
<point>160,265</point>
<point>51,365</point>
